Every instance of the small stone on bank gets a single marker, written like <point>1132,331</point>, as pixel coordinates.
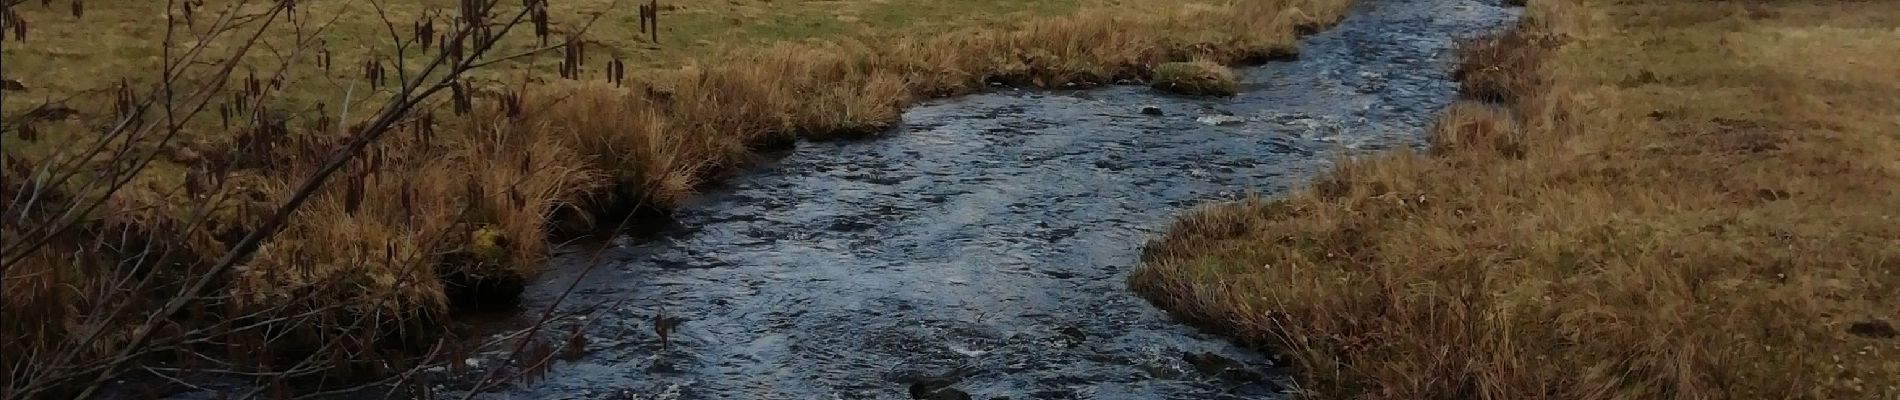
<point>1873,329</point>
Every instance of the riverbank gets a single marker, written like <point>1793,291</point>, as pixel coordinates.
<point>982,247</point>
<point>461,207</point>
<point>1643,200</point>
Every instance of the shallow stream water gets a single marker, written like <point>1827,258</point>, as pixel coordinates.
<point>985,243</point>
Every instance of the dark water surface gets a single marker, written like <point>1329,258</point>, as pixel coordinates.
<point>988,240</point>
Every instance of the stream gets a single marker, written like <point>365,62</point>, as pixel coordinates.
<point>984,245</point>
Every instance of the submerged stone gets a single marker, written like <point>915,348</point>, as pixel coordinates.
<point>936,389</point>
<point>1221,367</point>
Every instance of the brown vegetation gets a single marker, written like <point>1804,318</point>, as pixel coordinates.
<point>1199,77</point>
<point>1671,200</point>
<point>462,193</point>
<point>598,148</point>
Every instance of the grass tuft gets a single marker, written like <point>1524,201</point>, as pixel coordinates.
<point>1199,78</point>
<point>1479,129</point>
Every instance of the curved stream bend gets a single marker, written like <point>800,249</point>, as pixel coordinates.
<point>988,241</point>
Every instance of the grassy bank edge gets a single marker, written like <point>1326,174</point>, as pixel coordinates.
<point>1635,203</point>
<point>473,199</point>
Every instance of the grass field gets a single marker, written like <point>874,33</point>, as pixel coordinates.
<point>452,202</point>
<point>1644,200</point>
<point>69,56</point>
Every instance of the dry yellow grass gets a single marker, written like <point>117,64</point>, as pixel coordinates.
<point>64,55</point>
<point>1677,202</point>
<point>600,148</point>
<point>1198,77</point>
<point>453,200</point>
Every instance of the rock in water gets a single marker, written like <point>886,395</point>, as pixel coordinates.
<point>929,387</point>
<point>937,389</point>
<point>1072,336</point>
<point>949,394</point>
<point>1151,110</point>
<point>1221,367</point>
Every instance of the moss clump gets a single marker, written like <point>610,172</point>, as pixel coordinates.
<point>488,246</point>
<point>483,280</point>
<point>1197,78</point>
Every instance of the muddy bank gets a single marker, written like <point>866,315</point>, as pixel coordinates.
<point>984,246</point>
